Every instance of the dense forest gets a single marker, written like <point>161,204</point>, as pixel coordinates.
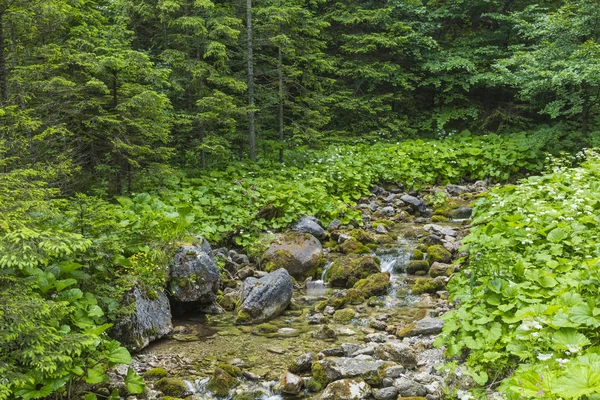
<point>132,131</point>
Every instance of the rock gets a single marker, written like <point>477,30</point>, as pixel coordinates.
<point>425,326</point>
<point>309,225</point>
<point>346,389</point>
<point>316,319</point>
<point>414,203</point>
<point>394,372</point>
<point>388,393</point>
<point>347,270</point>
<point>381,229</point>
<point>374,285</point>
<point>388,211</point>
<point>290,383</point>
<point>409,388</point>
<point>350,349</point>
<point>238,258</point>
<point>149,320</point>
<point>301,363</point>
<point>397,352</point>
<point>343,316</point>
<point>352,246</point>
<point>439,269</point>
<point>345,367</point>
<point>300,254</point>
<point>440,230</point>
<point>173,387</point>
<point>426,285</point>
<point>417,267</point>
<point>462,213</point>
<point>155,373</point>
<point>265,298</point>
<point>456,190</point>
<point>194,276</point>
<point>333,225</point>
<point>245,272</point>
<point>324,333</point>
<point>437,253</point>
<point>432,239</point>
<point>288,332</point>
<point>379,325</point>
<point>221,383</point>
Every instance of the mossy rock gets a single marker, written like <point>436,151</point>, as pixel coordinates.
<point>343,316</point>
<point>362,236</point>
<point>171,387</point>
<point>412,398</point>
<point>352,246</point>
<point>230,369</point>
<point>247,395</point>
<point>417,255</point>
<point>417,267</point>
<point>437,253</point>
<point>385,239</point>
<point>424,285</point>
<point>266,328</point>
<point>439,269</point>
<point>243,317</point>
<point>171,398</point>
<point>319,374</point>
<point>312,385</point>
<point>227,302</point>
<point>155,373</point>
<point>385,222</point>
<point>354,297</point>
<point>320,306</point>
<point>374,285</point>
<point>221,383</point>
<point>374,302</point>
<point>438,218</point>
<point>337,302</point>
<point>348,270</point>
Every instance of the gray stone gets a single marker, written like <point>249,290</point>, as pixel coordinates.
<point>346,389</point>
<point>324,333</point>
<point>432,239</point>
<point>239,258</point>
<point>150,319</point>
<point>425,326</point>
<point>333,225</point>
<point>290,383</point>
<point>440,230</point>
<point>302,363</point>
<point>265,298</point>
<point>381,229</point>
<point>414,203</point>
<point>394,372</point>
<point>462,213</point>
<point>345,367</point>
<point>440,269</point>
<point>456,190</point>
<point>245,272</point>
<point>397,352</point>
<point>388,393</point>
<point>309,225</point>
<point>388,211</point>
<point>299,253</point>
<point>194,276</point>
<point>409,388</point>
<point>316,319</point>
<point>350,349</point>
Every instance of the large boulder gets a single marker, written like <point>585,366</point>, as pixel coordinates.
<point>347,270</point>
<point>301,254</point>
<point>148,319</point>
<point>346,389</point>
<point>425,326</point>
<point>265,298</point>
<point>194,277</point>
<point>309,225</point>
<point>414,202</point>
<point>346,367</point>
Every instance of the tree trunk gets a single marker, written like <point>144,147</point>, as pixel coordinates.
<point>280,73</point>
<point>3,74</point>
<point>252,133</point>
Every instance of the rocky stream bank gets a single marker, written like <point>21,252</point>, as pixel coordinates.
<point>335,312</point>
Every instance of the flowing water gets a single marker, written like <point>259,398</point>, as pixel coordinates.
<point>204,342</point>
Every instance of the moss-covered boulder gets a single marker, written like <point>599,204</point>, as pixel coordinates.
<point>155,373</point>
<point>426,285</point>
<point>439,269</point>
<point>343,316</point>
<point>417,255</point>
<point>346,389</point>
<point>353,246</point>
<point>301,254</point>
<point>417,267</point>
<point>221,383</point>
<point>374,285</point>
<point>174,387</point>
<point>266,328</point>
<point>347,270</point>
<point>437,253</point>
<point>363,236</point>
<point>354,297</point>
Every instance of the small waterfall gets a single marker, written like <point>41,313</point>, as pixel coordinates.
<point>259,390</point>
<point>394,262</point>
<point>325,268</point>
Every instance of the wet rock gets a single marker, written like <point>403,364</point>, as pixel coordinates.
<point>388,393</point>
<point>425,326</point>
<point>347,270</point>
<point>150,319</point>
<point>333,225</point>
<point>173,387</point>
<point>381,230</point>
<point>300,254</point>
<point>388,211</point>
<point>440,230</point>
<point>343,316</point>
<point>378,337</point>
<point>439,269</point>
<point>245,273</point>
<point>265,298</point>
<point>409,388</point>
<point>309,225</point>
<point>345,367</point>
<point>462,213</point>
<point>379,325</point>
<point>417,267</point>
<point>415,203</point>
<point>332,352</point>
<point>346,389</point>
<point>324,333</point>
<point>238,258</point>
<point>397,352</point>
<point>290,383</point>
<point>456,190</point>
<point>194,277</point>
<point>301,363</point>
<point>429,285</point>
<point>316,319</point>
<point>432,239</point>
<point>352,246</point>
<point>221,383</point>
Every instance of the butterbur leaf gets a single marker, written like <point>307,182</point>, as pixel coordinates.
<point>578,381</point>
<point>117,354</point>
<point>134,382</point>
<point>95,311</point>
<point>557,235</point>
<point>90,396</point>
<point>569,338</point>
<point>96,375</point>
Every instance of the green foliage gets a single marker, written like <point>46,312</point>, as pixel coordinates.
<point>529,295</point>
